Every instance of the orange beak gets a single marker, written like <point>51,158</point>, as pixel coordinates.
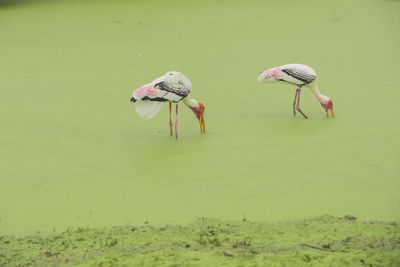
<point>202,123</point>
<point>327,112</point>
<point>329,107</point>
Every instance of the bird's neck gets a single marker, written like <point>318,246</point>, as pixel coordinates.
<point>190,102</point>
<point>323,99</point>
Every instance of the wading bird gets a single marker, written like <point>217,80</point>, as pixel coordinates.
<point>300,75</point>
<point>171,87</point>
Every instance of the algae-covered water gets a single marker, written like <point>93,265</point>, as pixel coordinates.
<point>73,152</point>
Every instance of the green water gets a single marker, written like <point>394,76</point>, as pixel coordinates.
<point>73,152</point>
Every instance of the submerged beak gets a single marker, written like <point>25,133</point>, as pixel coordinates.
<point>202,124</point>
<point>329,107</point>
<point>327,112</point>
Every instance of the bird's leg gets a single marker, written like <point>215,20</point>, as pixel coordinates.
<point>298,103</point>
<point>294,102</point>
<point>176,121</point>
<point>170,119</point>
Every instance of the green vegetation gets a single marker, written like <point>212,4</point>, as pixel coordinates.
<point>74,154</point>
<point>324,240</point>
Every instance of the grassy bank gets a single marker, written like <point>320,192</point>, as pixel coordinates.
<point>328,240</point>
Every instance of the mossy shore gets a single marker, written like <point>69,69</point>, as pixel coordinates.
<point>319,241</point>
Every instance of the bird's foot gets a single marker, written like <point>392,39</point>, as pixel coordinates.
<point>299,110</point>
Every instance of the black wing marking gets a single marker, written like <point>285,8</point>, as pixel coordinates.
<point>301,76</point>
<point>162,98</point>
<point>164,87</point>
<point>159,99</point>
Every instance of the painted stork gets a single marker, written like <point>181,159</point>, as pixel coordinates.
<point>171,87</point>
<point>300,75</point>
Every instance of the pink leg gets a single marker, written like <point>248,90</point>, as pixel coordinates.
<point>298,103</point>
<point>176,121</point>
<point>294,102</point>
<point>170,119</point>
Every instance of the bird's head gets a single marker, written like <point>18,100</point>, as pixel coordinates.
<point>198,111</point>
<point>269,75</point>
<point>328,106</point>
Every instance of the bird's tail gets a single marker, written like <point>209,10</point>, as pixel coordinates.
<point>148,109</point>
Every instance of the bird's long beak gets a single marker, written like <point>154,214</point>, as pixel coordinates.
<point>331,110</point>
<point>202,124</point>
<point>329,107</point>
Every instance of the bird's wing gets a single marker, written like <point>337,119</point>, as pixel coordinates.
<point>150,97</point>
<point>163,89</point>
<point>175,83</point>
<point>155,92</point>
<point>302,73</point>
<point>176,90</point>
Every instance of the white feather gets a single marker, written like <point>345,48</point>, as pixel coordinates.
<point>148,109</point>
